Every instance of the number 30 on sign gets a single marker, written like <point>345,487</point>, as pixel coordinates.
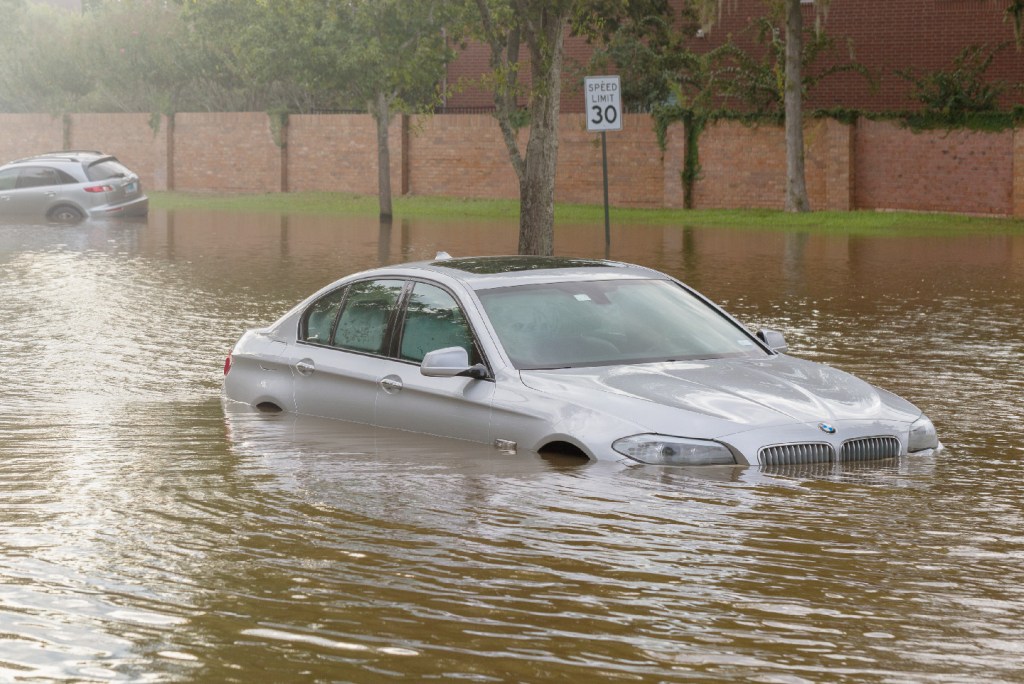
<point>604,103</point>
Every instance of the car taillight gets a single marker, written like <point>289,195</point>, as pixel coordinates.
<point>100,188</point>
<point>227,364</point>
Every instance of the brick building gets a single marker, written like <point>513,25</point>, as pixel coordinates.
<point>883,35</point>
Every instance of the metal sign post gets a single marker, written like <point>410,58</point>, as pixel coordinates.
<point>604,113</point>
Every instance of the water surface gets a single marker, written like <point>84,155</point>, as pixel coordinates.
<point>146,535</point>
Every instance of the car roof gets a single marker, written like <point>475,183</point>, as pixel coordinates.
<point>81,156</point>
<point>485,272</point>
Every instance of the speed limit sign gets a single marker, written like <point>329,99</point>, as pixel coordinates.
<point>604,103</point>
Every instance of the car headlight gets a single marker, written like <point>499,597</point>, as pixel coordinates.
<point>665,450</point>
<point>922,435</point>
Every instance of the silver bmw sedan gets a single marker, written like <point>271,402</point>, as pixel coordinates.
<point>595,358</point>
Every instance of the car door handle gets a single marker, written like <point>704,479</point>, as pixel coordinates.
<point>305,367</point>
<point>51,194</point>
<point>391,384</point>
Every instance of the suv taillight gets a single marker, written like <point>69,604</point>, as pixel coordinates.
<point>100,188</point>
<point>227,364</point>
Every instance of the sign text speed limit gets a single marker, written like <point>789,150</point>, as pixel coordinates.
<point>604,103</point>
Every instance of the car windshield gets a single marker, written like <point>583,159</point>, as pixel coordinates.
<point>609,322</point>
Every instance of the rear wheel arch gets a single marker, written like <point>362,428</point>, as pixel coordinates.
<point>65,213</point>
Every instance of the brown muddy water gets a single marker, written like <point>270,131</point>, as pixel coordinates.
<point>146,536</point>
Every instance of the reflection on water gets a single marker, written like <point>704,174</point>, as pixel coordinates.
<point>147,535</point>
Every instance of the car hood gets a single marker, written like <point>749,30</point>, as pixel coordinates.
<point>723,396</point>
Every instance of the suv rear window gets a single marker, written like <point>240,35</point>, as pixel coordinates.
<point>106,168</point>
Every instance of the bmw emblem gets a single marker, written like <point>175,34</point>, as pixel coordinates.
<point>827,428</point>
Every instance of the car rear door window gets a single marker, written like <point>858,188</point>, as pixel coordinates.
<point>318,320</point>
<point>433,320</point>
<point>37,177</point>
<point>366,316</point>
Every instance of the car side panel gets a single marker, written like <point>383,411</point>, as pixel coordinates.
<point>30,201</point>
<point>260,373</point>
<point>334,383</point>
<point>449,407</point>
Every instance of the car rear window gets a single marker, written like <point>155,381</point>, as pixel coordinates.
<point>106,168</point>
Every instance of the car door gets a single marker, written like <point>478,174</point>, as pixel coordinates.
<point>8,182</point>
<point>340,356</point>
<point>36,190</point>
<point>457,407</point>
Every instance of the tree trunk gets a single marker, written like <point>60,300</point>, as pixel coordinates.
<point>537,182</point>
<point>796,185</point>
<point>382,116</point>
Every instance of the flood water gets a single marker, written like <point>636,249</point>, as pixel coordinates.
<point>147,536</point>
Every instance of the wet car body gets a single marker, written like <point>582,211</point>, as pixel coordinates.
<point>603,359</point>
<point>70,185</point>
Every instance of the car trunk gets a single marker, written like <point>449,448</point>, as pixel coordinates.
<point>124,185</point>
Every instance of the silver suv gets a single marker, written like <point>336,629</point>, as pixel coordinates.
<point>69,186</point>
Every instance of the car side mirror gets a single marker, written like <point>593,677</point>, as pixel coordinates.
<point>451,362</point>
<point>773,339</point>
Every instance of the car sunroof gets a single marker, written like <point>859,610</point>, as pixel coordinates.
<point>512,264</point>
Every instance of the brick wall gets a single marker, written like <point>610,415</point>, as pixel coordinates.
<point>465,155</point>
<point>460,155</point>
<point>872,165</point>
<point>329,152</point>
<point>635,164</point>
<point>960,171</point>
<point>130,138</point>
<point>745,166</point>
<point>226,152</point>
<point>28,134</point>
<point>1018,175</point>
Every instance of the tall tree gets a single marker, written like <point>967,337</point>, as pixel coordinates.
<point>796,184</point>
<point>394,61</point>
<point>541,24</point>
<point>506,26</point>
<point>383,56</point>
<point>796,181</point>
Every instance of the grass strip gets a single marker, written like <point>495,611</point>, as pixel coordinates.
<point>331,203</point>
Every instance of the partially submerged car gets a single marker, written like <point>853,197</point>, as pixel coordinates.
<point>68,186</point>
<point>598,358</point>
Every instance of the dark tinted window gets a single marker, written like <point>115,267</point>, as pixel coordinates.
<point>364,321</point>
<point>37,177</point>
<point>318,321</point>
<point>109,168</point>
<point>66,178</point>
<point>433,320</point>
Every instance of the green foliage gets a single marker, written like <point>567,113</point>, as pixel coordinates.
<point>278,124</point>
<point>963,90</point>
<point>1015,15</point>
<point>759,83</point>
<point>222,55</point>
<point>663,75</point>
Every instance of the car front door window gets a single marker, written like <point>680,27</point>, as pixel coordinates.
<point>9,178</point>
<point>433,320</point>
<point>37,177</point>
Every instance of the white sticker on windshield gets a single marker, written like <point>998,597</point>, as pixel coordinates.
<point>745,343</point>
<point>582,298</point>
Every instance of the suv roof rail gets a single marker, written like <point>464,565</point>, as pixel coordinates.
<point>63,153</point>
